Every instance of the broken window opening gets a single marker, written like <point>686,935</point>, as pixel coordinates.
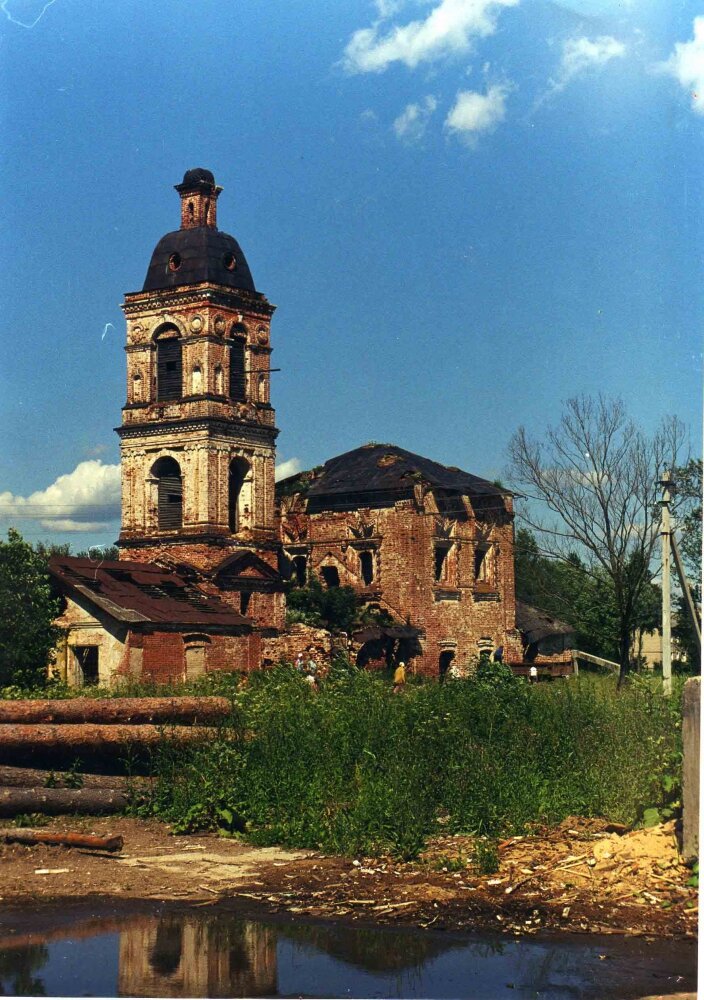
<point>441,552</point>
<point>446,658</point>
<point>366,565</point>
<point>481,563</point>
<point>169,493</point>
<point>331,576</point>
<point>300,569</point>
<point>191,212</point>
<point>87,659</point>
<point>238,471</point>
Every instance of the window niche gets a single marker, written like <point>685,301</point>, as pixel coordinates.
<point>196,380</point>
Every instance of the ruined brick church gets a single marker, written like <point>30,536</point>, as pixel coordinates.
<point>209,544</point>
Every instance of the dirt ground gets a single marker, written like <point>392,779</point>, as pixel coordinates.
<point>581,876</point>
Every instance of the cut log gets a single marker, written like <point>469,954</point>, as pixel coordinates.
<point>57,801</point>
<point>111,711</point>
<point>32,777</point>
<point>21,835</point>
<point>90,738</point>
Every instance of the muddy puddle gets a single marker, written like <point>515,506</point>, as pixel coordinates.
<point>210,953</point>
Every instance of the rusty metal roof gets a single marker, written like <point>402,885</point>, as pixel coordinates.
<point>382,471</point>
<point>144,593</point>
<point>200,253</point>
<point>537,624</point>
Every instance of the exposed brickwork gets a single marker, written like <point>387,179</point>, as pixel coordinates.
<point>459,614</point>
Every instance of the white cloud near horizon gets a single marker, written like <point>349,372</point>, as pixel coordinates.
<point>288,468</point>
<point>473,113</point>
<point>87,499</point>
<point>449,29</point>
<point>411,124</point>
<point>686,64</point>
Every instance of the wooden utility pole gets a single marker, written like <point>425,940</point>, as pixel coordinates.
<point>666,484</point>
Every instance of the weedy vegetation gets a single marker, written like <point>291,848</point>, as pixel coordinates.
<point>353,769</point>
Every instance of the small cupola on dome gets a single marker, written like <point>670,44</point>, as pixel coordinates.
<point>199,196</point>
<point>198,251</point>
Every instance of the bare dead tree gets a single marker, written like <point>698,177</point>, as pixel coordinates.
<point>593,483</point>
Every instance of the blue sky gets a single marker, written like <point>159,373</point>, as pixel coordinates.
<point>466,211</point>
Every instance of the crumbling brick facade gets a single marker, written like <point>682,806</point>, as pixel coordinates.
<point>438,560</point>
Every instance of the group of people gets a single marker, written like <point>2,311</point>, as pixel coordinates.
<point>307,668</point>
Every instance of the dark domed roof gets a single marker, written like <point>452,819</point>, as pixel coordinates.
<point>197,176</point>
<point>191,256</point>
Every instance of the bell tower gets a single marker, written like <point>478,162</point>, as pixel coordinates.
<point>198,435</point>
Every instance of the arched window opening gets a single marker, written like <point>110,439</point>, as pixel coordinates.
<point>137,388</point>
<point>168,366</point>
<point>366,565</point>
<point>236,478</point>
<point>237,370</point>
<point>191,211</point>
<point>219,381</point>
<point>196,380</point>
<point>169,493</point>
<point>331,576</point>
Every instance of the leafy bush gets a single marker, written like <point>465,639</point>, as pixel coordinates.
<point>352,769</point>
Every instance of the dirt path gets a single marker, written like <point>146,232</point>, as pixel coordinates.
<point>577,877</point>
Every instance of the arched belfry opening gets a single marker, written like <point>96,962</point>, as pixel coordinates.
<point>238,471</point>
<point>238,359</point>
<point>167,473</point>
<point>169,366</point>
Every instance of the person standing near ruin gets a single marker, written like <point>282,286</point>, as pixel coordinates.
<point>399,678</point>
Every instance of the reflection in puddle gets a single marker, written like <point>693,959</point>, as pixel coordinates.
<point>221,955</point>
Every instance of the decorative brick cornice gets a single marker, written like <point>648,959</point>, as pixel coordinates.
<point>237,300</point>
<point>255,433</point>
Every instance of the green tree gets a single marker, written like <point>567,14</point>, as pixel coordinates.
<point>27,612</point>
<point>592,483</point>
<point>333,608</point>
<point>584,599</point>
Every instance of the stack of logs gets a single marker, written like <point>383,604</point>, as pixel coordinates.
<point>97,731</point>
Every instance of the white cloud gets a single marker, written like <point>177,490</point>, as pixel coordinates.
<point>474,112</point>
<point>288,468</point>
<point>86,499</point>
<point>411,124</point>
<point>579,55</point>
<point>686,64</point>
<point>449,29</point>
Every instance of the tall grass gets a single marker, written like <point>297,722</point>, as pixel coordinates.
<point>352,768</point>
